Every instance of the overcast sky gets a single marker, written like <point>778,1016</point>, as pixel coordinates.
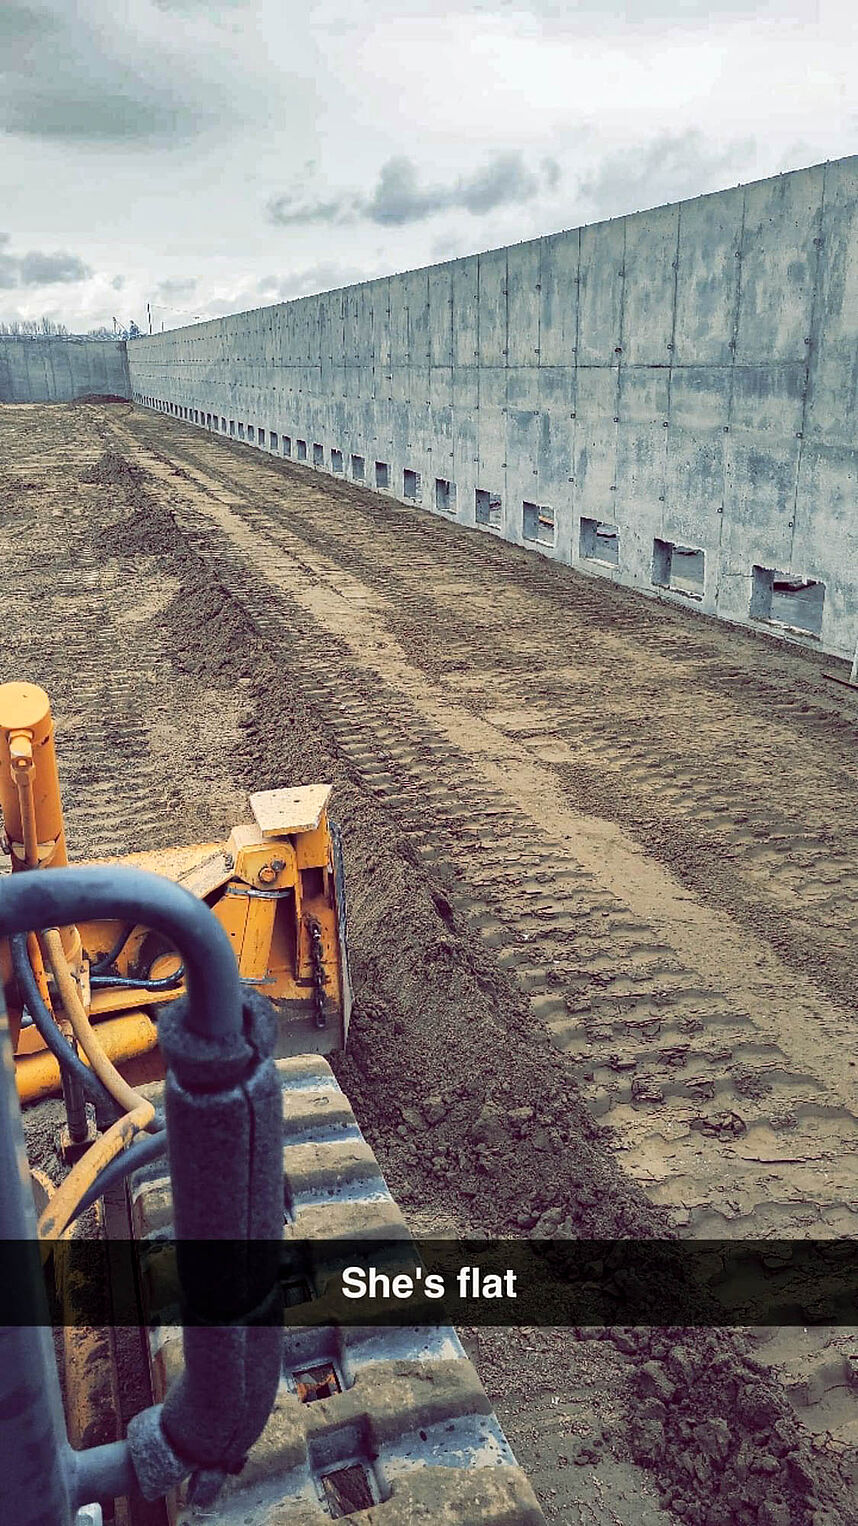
<point>214,155</point>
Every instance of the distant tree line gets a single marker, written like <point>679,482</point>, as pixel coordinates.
<point>39,328</point>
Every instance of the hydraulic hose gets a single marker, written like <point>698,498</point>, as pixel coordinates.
<point>117,982</point>
<point>141,1152</point>
<point>100,965</point>
<point>224,1114</point>
<point>68,1059</point>
<point>125,1095</point>
<point>56,897</point>
<point>64,1205</point>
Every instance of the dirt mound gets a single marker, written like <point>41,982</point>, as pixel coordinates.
<point>112,469</point>
<point>100,397</point>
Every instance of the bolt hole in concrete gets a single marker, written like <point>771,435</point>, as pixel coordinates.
<point>487,508</point>
<point>287,445</point>
<point>445,495</point>
<point>784,599</point>
<point>302,450</point>
<point>318,455</point>
<point>336,460</point>
<point>411,485</point>
<point>382,474</point>
<point>599,542</point>
<point>358,468</point>
<point>679,568</point>
<point>538,523</point>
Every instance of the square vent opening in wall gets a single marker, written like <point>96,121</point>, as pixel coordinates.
<point>240,430</point>
<point>318,455</point>
<point>599,542</point>
<point>273,441</point>
<point>538,523</point>
<point>287,445</point>
<point>785,599</point>
<point>411,485</point>
<point>487,508</point>
<point>336,460</point>
<point>682,569</point>
<point>358,468</point>
<point>302,450</point>
<point>445,495</point>
<point>382,474</point>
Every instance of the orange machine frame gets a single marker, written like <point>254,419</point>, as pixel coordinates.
<point>275,886</point>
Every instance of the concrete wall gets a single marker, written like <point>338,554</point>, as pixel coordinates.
<point>54,370</point>
<point>686,376</point>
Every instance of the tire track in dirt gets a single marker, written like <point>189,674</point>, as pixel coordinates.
<point>708,1109</point>
<point>729,759</point>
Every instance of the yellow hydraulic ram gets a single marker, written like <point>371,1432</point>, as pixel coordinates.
<point>276,886</point>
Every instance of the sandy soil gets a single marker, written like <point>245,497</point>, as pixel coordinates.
<point>602,890</point>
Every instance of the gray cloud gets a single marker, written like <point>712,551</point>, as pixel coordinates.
<point>38,269</point>
<point>668,168</point>
<point>177,287</point>
<point>87,78</point>
<point>399,199</point>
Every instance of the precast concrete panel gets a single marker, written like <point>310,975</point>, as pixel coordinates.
<point>523,387</point>
<point>707,278</point>
<point>557,388</point>
<point>832,402</point>
<point>600,294</point>
<point>492,309</point>
<point>466,298</point>
<point>648,288</point>
<point>779,266</point>
<point>441,316</point>
<point>523,431</point>
<point>441,387</point>
<point>523,293</point>
<point>416,290</point>
<point>642,444</point>
<point>558,295</point>
<point>595,460</point>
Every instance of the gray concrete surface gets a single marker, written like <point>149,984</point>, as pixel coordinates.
<point>55,370</point>
<point>686,376</point>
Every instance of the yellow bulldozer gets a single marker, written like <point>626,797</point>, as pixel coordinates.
<point>182,1002</point>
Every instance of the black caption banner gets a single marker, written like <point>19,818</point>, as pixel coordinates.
<point>433,1282</point>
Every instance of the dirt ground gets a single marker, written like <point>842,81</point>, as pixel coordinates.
<point>602,889</point>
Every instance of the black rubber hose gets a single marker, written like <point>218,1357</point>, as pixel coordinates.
<point>69,1060</point>
<point>55,897</point>
<point>106,960</point>
<point>140,1153</point>
<point>166,983</point>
